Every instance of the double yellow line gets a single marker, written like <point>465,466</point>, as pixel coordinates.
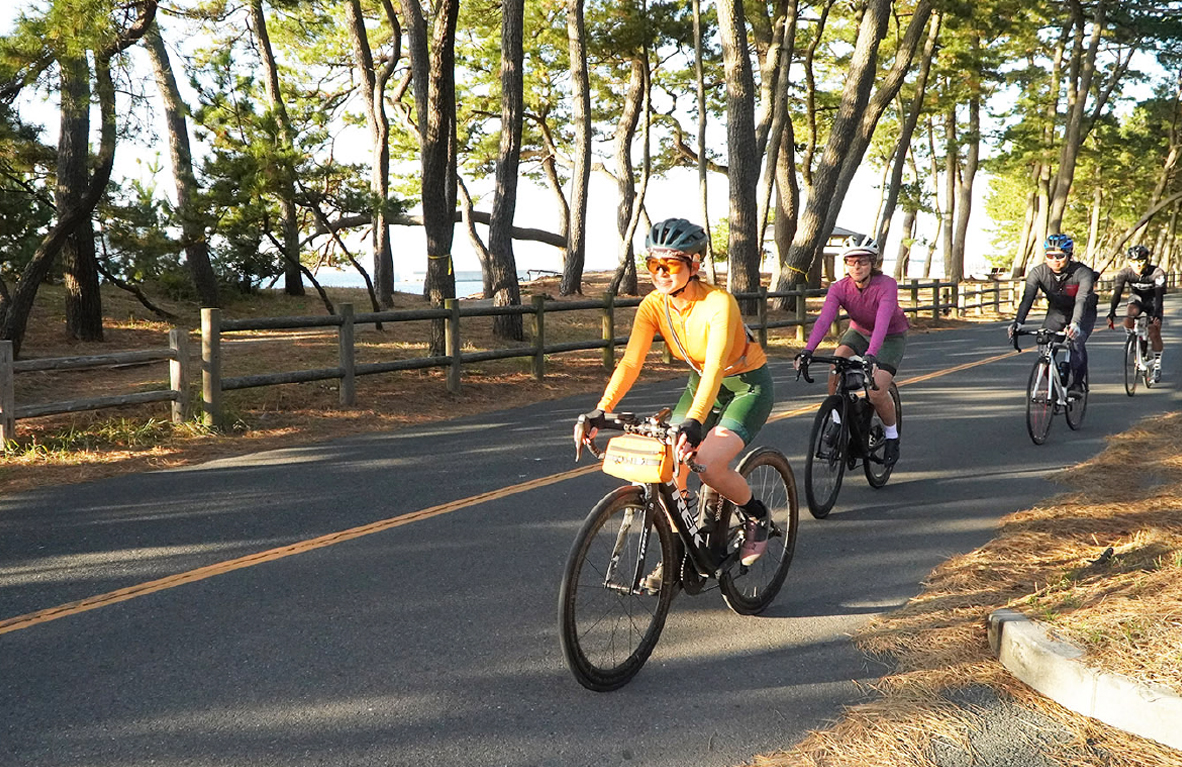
<point>131,592</point>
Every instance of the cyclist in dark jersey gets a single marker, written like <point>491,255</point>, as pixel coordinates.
<point>1070,290</point>
<point>1147,291</point>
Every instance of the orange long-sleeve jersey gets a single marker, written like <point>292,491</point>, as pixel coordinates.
<point>710,329</point>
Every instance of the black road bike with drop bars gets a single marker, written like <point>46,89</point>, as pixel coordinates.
<point>643,542</point>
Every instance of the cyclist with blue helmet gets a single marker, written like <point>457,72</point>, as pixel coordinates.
<point>1070,290</point>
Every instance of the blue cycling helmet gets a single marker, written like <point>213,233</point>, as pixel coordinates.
<point>676,234</point>
<point>1059,242</point>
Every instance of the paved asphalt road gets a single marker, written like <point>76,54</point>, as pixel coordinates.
<point>434,640</point>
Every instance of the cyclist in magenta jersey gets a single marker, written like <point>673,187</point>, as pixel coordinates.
<point>877,332</point>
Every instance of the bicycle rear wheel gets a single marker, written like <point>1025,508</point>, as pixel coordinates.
<point>877,472</point>
<point>1131,365</point>
<point>749,590</point>
<point>608,624</point>
<point>824,465</point>
<point>1040,401</point>
<point>1076,408</point>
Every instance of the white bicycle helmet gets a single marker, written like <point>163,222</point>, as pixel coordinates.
<point>860,244</point>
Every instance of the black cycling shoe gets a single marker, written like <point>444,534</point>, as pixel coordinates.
<point>890,452</point>
<point>1075,391</point>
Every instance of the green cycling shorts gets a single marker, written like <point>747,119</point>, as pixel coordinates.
<point>889,356</point>
<point>743,404</point>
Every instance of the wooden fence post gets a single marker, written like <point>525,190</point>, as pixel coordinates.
<point>935,299</point>
<point>915,295</point>
<point>178,374</point>
<point>761,313</point>
<point>211,367</point>
<point>348,356</point>
<point>452,342</point>
<point>997,297</point>
<point>539,302</point>
<point>7,396</point>
<point>609,332</point>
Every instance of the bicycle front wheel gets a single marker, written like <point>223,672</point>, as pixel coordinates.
<point>749,590</point>
<point>1131,366</point>
<point>877,472</point>
<point>1143,362</point>
<point>1040,401</point>
<point>824,465</point>
<point>1076,409</point>
<point>609,617</point>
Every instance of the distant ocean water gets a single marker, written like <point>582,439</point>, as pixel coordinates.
<point>468,283</point>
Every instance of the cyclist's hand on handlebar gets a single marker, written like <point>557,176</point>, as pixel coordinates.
<point>1072,330</point>
<point>585,429</point>
<point>869,364</point>
<point>689,436</point>
<point>802,359</point>
<point>1111,321</point>
<point>1014,327</point>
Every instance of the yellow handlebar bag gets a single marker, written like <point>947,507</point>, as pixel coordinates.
<point>638,459</point>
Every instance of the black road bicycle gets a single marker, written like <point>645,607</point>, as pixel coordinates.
<point>1046,390</point>
<point>642,542</point>
<point>846,430</point>
<point>1138,361</point>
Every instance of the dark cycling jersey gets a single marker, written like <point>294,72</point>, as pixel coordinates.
<point>1147,285</point>
<point>1071,293</point>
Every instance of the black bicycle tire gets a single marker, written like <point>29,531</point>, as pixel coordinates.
<point>588,671</point>
<point>878,479</point>
<point>786,518</point>
<point>1131,365</point>
<point>818,509</point>
<point>1078,405</point>
<point>1037,434</point>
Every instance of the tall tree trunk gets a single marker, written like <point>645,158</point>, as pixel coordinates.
<point>903,257</point>
<point>742,157</point>
<point>1093,254</point>
<point>373,87</point>
<point>506,291</point>
<point>14,310</point>
<point>192,228</point>
<point>888,88</point>
<point>625,178</point>
<point>779,115</point>
<point>572,267</point>
<point>292,283</point>
<point>703,198</point>
<point>908,131</point>
<point>811,230</point>
<point>435,104</point>
<point>1074,133</point>
<point>84,310</point>
<point>951,169</point>
<point>968,175</point>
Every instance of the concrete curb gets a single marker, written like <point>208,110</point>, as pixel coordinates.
<point>1053,667</point>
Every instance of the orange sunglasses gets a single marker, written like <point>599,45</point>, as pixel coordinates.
<point>670,264</point>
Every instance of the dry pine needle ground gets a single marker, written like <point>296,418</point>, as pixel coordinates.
<point>1101,565</point>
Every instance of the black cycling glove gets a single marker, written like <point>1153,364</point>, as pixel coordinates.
<point>869,363</point>
<point>804,357</point>
<point>594,419</point>
<point>692,430</point>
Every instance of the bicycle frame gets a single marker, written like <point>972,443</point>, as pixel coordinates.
<point>1141,331</point>
<point>847,370</point>
<point>1050,343</point>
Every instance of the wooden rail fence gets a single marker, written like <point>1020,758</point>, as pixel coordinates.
<point>942,298</point>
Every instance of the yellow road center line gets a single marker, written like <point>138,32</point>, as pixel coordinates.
<point>201,573</point>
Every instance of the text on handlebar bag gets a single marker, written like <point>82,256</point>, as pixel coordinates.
<point>638,459</point>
